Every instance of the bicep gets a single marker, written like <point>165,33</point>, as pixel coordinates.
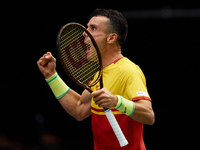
<point>86,97</point>
<point>85,105</point>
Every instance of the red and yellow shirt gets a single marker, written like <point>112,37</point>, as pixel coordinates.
<point>124,78</point>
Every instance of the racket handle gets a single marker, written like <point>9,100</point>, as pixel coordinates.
<point>116,128</point>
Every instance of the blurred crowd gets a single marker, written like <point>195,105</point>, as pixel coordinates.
<point>47,141</point>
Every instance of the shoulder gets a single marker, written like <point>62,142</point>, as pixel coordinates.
<point>129,68</point>
<point>130,72</point>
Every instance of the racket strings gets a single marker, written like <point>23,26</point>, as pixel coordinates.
<point>81,76</point>
<point>80,55</point>
<point>82,65</point>
<point>76,54</point>
<point>69,35</point>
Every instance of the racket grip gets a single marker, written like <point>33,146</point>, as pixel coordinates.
<point>116,128</point>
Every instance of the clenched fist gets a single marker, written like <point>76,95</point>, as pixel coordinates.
<point>47,65</point>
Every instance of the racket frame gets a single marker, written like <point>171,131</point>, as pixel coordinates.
<point>99,78</point>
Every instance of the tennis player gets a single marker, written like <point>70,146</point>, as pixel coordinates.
<point>124,92</point>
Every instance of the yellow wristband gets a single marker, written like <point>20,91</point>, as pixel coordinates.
<point>57,85</point>
<point>125,106</point>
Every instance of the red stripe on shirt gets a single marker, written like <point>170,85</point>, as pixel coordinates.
<point>102,110</point>
<point>141,97</point>
<point>98,110</point>
<point>117,60</point>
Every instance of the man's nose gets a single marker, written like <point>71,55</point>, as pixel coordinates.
<point>85,34</point>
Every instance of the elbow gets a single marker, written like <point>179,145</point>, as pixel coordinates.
<point>151,119</point>
<point>79,118</point>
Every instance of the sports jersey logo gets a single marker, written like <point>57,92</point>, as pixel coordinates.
<point>141,93</point>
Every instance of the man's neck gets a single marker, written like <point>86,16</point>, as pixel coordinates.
<point>110,56</point>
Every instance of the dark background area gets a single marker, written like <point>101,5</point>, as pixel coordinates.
<point>163,40</point>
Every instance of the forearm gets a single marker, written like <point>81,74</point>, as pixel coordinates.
<point>140,110</point>
<point>74,104</point>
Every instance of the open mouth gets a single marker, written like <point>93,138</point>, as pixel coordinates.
<point>88,46</point>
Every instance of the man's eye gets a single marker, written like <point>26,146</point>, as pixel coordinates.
<point>94,28</point>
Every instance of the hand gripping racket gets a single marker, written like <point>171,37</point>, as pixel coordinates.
<point>81,59</point>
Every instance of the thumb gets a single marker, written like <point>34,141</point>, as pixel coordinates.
<point>50,57</point>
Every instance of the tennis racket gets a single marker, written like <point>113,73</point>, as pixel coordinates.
<point>81,59</point>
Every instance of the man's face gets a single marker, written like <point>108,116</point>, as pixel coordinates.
<point>97,26</point>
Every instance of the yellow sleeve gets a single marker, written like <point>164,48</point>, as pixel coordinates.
<point>136,85</point>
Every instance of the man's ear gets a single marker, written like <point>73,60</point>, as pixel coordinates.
<point>112,38</point>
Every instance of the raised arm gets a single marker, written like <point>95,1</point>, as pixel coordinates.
<point>78,106</point>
